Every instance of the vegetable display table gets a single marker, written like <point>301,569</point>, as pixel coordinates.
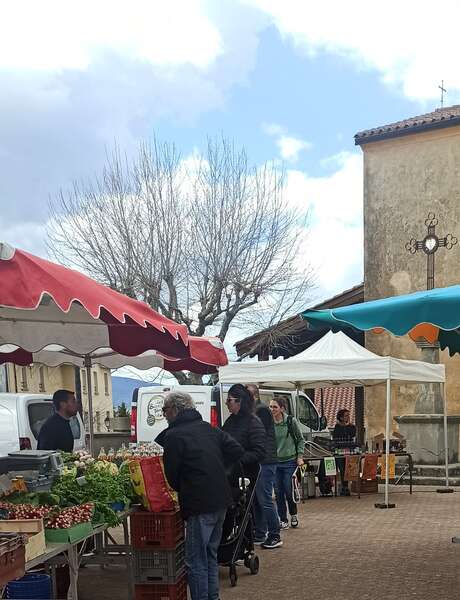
<point>106,551</point>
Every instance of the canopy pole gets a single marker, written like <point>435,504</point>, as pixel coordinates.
<point>90,403</point>
<point>447,489</point>
<point>387,504</point>
<point>221,407</point>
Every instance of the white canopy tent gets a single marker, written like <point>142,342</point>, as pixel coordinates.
<point>336,360</point>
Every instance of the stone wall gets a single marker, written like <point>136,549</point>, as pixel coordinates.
<point>405,179</point>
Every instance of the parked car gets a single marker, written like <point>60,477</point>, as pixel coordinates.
<point>147,419</point>
<point>21,418</point>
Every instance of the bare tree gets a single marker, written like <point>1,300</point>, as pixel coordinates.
<point>209,242</point>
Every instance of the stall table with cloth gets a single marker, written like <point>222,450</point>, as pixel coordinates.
<point>314,454</point>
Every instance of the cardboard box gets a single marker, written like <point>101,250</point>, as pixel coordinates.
<point>33,529</point>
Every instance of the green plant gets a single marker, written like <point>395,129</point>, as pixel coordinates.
<point>123,411</point>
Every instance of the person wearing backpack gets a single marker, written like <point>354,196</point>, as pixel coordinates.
<point>290,448</point>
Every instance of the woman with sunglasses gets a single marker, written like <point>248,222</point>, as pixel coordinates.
<point>246,428</point>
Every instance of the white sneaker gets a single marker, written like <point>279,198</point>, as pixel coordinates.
<point>284,525</point>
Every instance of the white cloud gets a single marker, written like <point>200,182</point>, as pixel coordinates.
<point>289,145</point>
<point>54,35</point>
<point>334,245</point>
<point>399,39</point>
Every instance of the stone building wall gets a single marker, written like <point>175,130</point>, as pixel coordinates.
<point>404,179</point>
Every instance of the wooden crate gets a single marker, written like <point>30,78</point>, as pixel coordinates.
<point>33,529</point>
<point>367,486</point>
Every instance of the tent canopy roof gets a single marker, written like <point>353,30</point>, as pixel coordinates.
<point>334,360</point>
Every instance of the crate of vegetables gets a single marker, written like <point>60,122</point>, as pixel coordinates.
<point>12,557</point>
<point>71,524</point>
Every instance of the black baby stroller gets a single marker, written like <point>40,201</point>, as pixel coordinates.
<point>237,542</point>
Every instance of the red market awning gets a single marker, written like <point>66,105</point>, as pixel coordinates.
<point>43,303</point>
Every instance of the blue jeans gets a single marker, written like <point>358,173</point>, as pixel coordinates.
<point>202,539</point>
<point>265,517</point>
<point>283,488</point>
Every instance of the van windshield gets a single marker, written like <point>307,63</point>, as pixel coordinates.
<point>307,414</point>
<point>39,412</point>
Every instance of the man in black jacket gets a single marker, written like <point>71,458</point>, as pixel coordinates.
<point>195,457</point>
<point>265,515</point>
<point>56,433</point>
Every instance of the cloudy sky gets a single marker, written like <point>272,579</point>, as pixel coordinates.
<point>291,80</point>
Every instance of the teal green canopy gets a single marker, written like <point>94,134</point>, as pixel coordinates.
<point>439,309</point>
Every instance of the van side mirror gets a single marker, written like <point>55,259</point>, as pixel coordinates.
<point>322,423</point>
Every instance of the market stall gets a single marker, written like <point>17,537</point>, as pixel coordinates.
<point>431,316</point>
<point>52,507</point>
<point>58,502</point>
<point>336,360</point>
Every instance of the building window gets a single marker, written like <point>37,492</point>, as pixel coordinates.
<point>95,383</point>
<point>98,421</point>
<point>106,384</point>
<point>24,382</point>
<point>83,381</point>
<point>41,379</point>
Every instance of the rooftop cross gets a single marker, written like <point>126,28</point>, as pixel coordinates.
<point>443,91</point>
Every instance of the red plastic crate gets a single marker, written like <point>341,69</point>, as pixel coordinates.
<point>162,591</point>
<point>12,558</point>
<point>159,566</point>
<point>156,530</point>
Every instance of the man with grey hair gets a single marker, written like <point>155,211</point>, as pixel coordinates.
<point>195,458</point>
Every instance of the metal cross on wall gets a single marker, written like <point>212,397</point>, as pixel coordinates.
<point>430,244</point>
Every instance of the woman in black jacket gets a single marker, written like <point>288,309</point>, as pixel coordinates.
<point>246,428</point>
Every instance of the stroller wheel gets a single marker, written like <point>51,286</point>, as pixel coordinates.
<point>253,564</point>
<point>233,576</point>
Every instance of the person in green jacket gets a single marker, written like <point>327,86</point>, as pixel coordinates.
<point>290,448</point>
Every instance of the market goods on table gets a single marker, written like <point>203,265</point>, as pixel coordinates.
<point>85,492</point>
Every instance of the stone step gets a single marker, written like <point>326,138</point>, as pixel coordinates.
<point>435,470</point>
<point>435,481</point>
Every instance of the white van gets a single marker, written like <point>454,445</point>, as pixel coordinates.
<point>147,419</point>
<point>311,424</point>
<point>21,418</point>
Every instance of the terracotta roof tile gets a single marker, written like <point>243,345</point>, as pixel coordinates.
<point>334,399</point>
<point>441,117</point>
